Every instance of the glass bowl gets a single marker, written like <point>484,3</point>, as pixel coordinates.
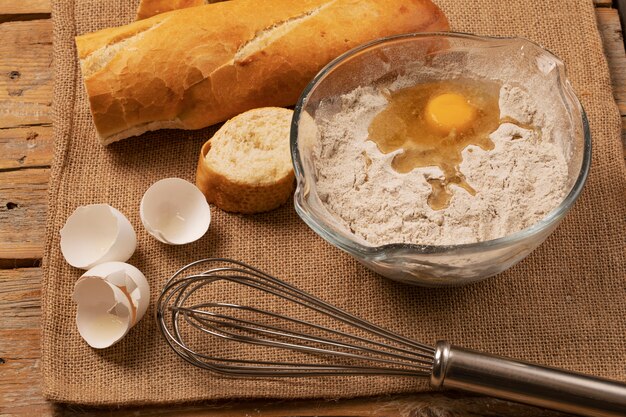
<point>383,60</point>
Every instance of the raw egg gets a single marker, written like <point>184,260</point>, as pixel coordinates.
<point>432,123</point>
<point>450,111</point>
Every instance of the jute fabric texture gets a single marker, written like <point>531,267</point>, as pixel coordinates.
<point>563,306</point>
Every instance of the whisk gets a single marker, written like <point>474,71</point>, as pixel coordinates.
<point>319,339</point>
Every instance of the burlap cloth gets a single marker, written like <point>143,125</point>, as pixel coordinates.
<point>563,306</point>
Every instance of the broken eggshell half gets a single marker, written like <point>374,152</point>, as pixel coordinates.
<point>175,211</point>
<point>111,297</point>
<point>95,234</point>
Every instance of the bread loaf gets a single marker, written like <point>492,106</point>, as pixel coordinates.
<point>246,166</point>
<point>194,67</point>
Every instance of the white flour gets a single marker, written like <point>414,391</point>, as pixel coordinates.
<point>517,183</point>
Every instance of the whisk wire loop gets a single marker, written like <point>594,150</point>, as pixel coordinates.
<point>206,325</point>
<point>245,272</point>
<point>196,310</point>
<point>357,354</point>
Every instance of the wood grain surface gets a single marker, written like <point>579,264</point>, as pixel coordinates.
<point>25,158</point>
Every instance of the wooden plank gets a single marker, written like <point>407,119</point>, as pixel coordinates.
<point>26,147</point>
<point>25,94</point>
<point>612,39</point>
<point>20,308</point>
<point>20,376</point>
<point>26,61</point>
<point>8,7</point>
<point>613,42</point>
<point>20,388</point>
<point>25,73</point>
<point>603,3</point>
<point>621,7</point>
<point>23,201</point>
<point>19,344</point>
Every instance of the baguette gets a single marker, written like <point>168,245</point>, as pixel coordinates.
<point>246,166</point>
<point>198,66</point>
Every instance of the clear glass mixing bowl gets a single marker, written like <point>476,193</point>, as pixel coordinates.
<point>385,59</point>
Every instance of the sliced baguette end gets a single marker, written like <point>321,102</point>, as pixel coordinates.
<point>231,186</point>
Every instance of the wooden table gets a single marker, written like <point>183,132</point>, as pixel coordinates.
<point>25,157</point>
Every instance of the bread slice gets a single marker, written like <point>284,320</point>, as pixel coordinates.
<point>246,166</point>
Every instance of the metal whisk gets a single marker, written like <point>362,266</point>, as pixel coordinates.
<point>319,339</point>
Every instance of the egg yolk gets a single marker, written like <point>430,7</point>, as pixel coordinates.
<point>449,111</point>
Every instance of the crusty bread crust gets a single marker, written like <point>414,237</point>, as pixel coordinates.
<point>197,66</point>
<point>240,197</point>
<point>149,8</point>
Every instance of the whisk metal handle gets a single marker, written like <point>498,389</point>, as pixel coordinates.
<point>509,379</point>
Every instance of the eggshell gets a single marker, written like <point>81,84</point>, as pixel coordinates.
<point>175,211</point>
<point>112,297</point>
<point>132,279</point>
<point>95,234</point>
<point>104,312</point>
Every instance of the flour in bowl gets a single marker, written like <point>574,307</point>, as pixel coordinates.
<point>516,184</point>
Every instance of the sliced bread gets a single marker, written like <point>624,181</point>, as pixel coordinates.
<point>246,166</point>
